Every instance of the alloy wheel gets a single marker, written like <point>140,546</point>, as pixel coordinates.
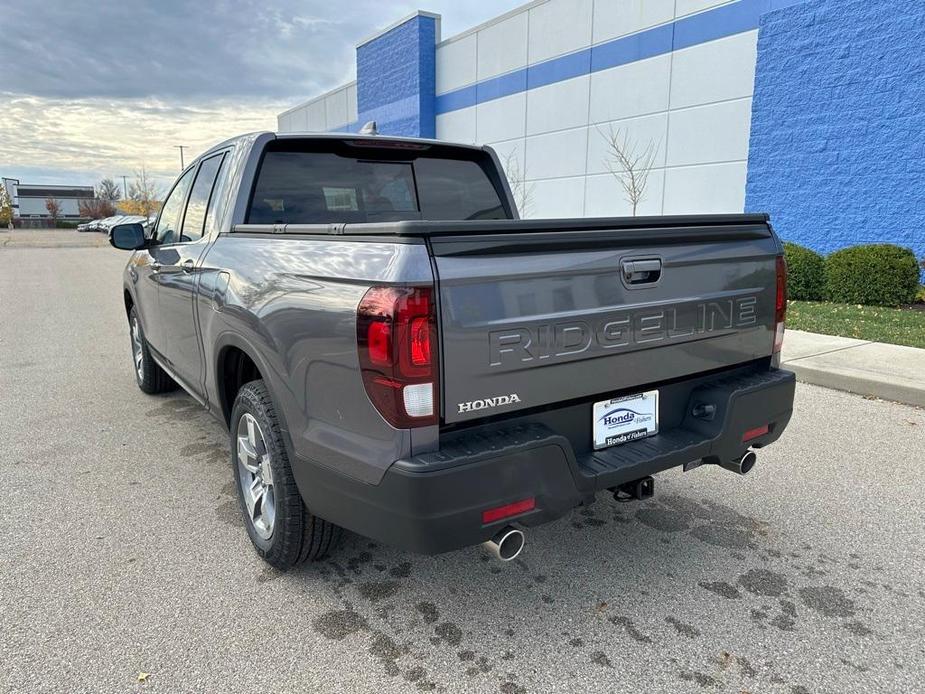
<point>137,352</point>
<point>256,476</point>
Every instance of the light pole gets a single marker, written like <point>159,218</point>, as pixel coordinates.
<point>124,188</point>
<point>181,148</point>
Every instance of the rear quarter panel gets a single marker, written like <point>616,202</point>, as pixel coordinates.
<point>291,304</point>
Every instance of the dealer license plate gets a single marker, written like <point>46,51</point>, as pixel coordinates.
<point>625,419</point>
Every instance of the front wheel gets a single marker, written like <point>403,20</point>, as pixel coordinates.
<point>151,378</point>
<point>282,530</point>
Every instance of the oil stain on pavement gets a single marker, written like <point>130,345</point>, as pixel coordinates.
<point>410,631</point>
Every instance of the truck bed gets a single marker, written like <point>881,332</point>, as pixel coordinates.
<point>533,312</point>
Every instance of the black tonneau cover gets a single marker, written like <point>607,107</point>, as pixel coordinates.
<point>752,225</point>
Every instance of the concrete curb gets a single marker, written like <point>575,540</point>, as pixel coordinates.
<point>890,372</point>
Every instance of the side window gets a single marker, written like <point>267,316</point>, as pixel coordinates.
<point>194,220</point>
<point>216,211</point>
<point>168,225</point>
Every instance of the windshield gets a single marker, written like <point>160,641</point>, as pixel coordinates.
<point>333,182</point>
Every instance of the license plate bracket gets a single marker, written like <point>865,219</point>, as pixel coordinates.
<point>624,419</point>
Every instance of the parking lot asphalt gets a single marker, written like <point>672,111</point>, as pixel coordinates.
<point>123,551</point>
<point>50,238</point>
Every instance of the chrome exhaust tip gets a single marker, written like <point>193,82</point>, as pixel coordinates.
<point>507,543</point>
<point>743,465</point>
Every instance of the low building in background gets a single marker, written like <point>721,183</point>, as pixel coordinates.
<point>29,202</point>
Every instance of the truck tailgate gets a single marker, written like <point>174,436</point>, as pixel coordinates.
<point>537,313</point>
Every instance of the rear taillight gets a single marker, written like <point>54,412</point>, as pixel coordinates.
<point>780,305</point>
<point>396,341</point>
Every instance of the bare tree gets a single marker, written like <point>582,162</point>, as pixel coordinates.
<point>108,190</point>
<point>6,207</point>
<point>54,209</point>
<point>96,208</point>
<point>520,188</point>
<point>143,194</point>
<point>630,164</point>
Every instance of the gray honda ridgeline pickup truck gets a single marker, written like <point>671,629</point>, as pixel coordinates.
<point>395,352</point>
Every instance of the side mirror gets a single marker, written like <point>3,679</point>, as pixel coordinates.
<point>128,237</point>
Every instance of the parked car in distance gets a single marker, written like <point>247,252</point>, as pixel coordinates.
<point>394,352</point>
<point>106,225</point>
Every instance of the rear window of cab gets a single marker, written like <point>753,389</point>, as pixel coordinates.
<point>344,181</point>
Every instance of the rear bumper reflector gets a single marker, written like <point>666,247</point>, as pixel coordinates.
<point>508,510</point>
<point>752,434</point>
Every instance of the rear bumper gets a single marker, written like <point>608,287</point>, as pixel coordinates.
<point>433,502</point>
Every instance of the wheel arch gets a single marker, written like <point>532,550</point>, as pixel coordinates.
<point>128,300</point>
<point>236,363</point>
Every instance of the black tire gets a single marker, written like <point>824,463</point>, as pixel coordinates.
<point>149,376</point>
<point>297,534</point>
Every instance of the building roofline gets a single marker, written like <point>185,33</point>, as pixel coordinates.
<point>420,13</point>
<point>320,97</point>
<point>324,95</point>
<point>526,7</point>
<point>52,185</point>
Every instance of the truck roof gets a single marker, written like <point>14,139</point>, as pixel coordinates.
<point>334,136</point>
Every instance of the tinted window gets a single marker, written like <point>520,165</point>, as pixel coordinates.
<point>456,189</point>
<point>168,225</point>
<point>318,188</point>
<point>344,186</point>
<point>195,218</point>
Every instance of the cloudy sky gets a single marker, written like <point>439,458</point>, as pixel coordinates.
<point>99,89</point>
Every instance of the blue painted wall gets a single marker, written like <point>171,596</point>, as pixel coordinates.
<point>396,79</point>
<point>717,23</point>
<point>837,150</point>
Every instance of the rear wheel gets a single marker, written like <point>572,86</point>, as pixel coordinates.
<point>282,530</point>
<point>151,378</point>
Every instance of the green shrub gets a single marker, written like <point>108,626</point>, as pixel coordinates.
<point>874,275</point>
<point>805,273</point>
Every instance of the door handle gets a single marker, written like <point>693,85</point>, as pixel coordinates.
<point>646,271</point>
<point>188,265</point>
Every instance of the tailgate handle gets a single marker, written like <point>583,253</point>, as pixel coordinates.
<point>642,271</point>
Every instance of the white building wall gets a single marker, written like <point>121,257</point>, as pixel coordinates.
<point>29,207</point>
<point>334,110</point>
<point>502,45</point>
<point>692,105</point>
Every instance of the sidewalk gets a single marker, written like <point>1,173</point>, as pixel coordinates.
<point>885,371</point>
